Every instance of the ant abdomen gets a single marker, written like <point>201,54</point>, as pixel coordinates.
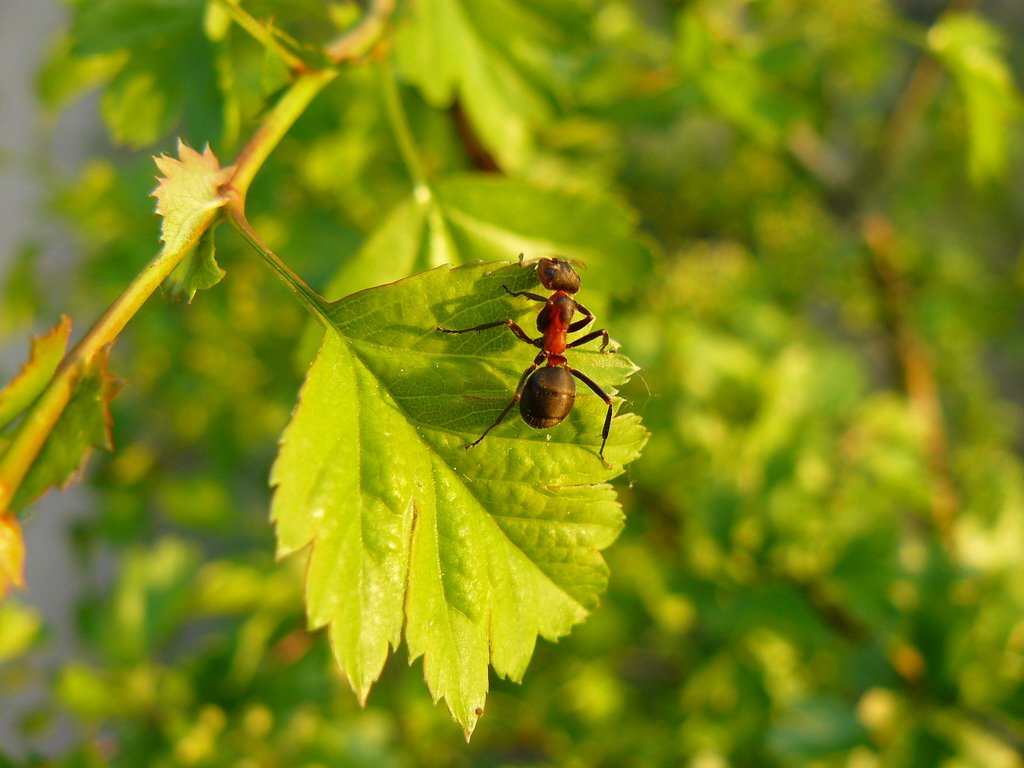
<point>548,397</point>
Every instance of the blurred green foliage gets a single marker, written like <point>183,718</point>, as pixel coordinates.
<point>821,563</point>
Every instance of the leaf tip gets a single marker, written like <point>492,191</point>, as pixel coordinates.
<point>474,718</point>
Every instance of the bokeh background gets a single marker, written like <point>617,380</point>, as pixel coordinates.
<point>821,564</point>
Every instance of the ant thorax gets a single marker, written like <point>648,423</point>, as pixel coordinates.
<point>559,311</point>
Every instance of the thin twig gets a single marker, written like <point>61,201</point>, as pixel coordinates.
<point>363,37</point>
<point>917,371</point>
<point>315,303</point>
<point>262,33</point>
<point>909,350</point>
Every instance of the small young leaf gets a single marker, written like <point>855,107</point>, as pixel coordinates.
<point>45,355</point>
<point>198,271</point>
<point>12,555</point>
<point>83,424</point>
<point>188,196</point>
<point>729,78</point>
<point>473,552</point>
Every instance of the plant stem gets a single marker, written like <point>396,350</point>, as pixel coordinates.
<point>908,348</point>
<point>284,114</point>
<point>312,300</point>
<point>41,419</point>
<point>913,101</point>
<point>914,361</point>
<point>362,38</point>
<point>423,191</point>
<point>403,132</point>
<point>261,33</point>
<point>356,42</point>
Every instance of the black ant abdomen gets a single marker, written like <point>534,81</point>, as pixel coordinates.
<point>548,397</point>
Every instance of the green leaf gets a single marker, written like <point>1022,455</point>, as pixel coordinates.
<point>155,590</point>
<point>89,692</point>
<point>817,727</point>
<point>83,424</point>
<point>136,107</point>
<point>45,355</point>
<point>972,50</point>
<point>65,74</point>
<point>478,217</point>
<point>198,271</point>
<point>473,552</point>
<point>116,24</point>
<point>498,59</point>
<point>148,44</point>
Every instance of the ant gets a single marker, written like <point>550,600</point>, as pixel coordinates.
<point>546,395</point>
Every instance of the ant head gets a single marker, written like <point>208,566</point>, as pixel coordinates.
<point>558,275</point>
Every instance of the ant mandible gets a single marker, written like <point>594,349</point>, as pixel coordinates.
<point>546,395</point>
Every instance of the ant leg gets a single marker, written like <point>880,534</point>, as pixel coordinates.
<point>590,337</point>
<point>515,399</point>
<point>527,294</point>
<point>608,401</point>
<point>579,325</point>
<point>510,324</point>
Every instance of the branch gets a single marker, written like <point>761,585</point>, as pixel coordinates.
<point>41,419</point>
<point>909,352</point>
<point>363,37</point>
<point>912,357</point>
